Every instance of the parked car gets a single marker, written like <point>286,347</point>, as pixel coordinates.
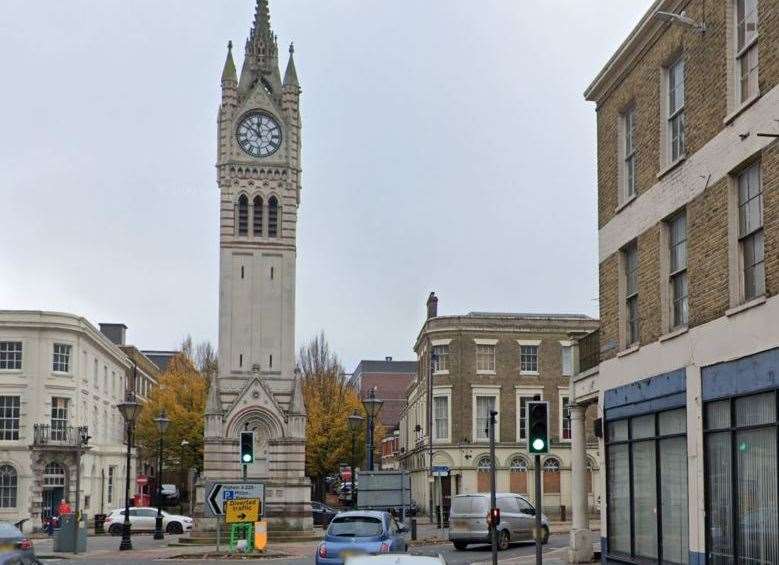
<point>322,513</point>
<point>14,543</point>
<point>468,520</point>
<point>356,532</point>
<point>19,558</point>
<point>144,519</point>
<point>170,495</point>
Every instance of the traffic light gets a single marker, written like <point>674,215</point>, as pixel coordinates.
<point>247,447</point>
<point>493,517</point>
<point>538,427</point>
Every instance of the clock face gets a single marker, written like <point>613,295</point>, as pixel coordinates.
<point>259,135</point>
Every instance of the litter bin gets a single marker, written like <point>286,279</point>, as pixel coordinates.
<point>65,538</point>
<point>99,522</point>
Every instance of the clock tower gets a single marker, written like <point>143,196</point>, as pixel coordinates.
<point>257,388</point>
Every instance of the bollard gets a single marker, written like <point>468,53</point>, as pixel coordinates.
<point>413,529</point>
<point>562,513</point>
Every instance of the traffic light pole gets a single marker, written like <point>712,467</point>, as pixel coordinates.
<point>493,502</point>
<point>539,511</point>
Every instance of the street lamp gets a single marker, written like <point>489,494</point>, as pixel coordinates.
<point>355,423</point>
<point>372,408</point>
<point>129,410</point>
<point>162,422</point>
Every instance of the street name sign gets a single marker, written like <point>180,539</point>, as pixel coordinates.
<point>218,492</point>
<point>242,510</point>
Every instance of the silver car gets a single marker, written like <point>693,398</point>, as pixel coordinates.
<point>468,520</point>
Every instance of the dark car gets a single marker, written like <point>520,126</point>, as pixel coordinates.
<point>14,545</point>
<point>322,513</point>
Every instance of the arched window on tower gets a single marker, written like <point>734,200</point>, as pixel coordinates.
<point>257,217</point>
<point>273,217</point>
<point>243,215</point>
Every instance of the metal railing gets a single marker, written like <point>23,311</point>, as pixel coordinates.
<point>589,351</point>
<point>61,436</point>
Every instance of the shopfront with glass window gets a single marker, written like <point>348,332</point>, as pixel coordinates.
<point>741,404</point>
<point>646,471</point>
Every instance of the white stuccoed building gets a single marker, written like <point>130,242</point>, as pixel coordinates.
<point>58,373</point>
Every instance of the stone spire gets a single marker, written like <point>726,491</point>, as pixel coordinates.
<point>229,76</point>
<point>291,74</point>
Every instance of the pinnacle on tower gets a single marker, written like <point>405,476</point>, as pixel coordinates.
<point>261,44</point>
<point>291,74</point>
<point>229,74</point>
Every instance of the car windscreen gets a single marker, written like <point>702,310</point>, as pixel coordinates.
<point>9,531</point>
<point>355,527</point>
<point>469,505</point>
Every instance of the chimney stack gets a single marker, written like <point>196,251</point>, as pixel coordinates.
<point>432,306</point>
<point>115,332</point>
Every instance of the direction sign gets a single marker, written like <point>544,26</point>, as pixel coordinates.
<point>217,493</point>
<point>242,510</point>
<point>440,470</point>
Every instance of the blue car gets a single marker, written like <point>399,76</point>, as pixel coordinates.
<point>360,533</point>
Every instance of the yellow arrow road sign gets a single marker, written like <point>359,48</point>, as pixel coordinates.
<point>242,510</point>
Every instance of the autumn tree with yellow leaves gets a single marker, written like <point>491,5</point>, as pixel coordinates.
<point>181,393</point>
<point>329,401</point>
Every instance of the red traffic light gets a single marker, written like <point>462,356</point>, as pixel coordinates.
<point>493,517</point>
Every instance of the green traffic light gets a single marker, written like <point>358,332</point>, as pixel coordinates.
<point>538,444</point>
<point>247,458</point>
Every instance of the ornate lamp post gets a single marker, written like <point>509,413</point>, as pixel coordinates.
<point>372,408</point>
<point>129,410</point>
<point>162,422</point>
<point>355,423</point>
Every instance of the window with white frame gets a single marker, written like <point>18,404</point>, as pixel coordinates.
<point>629,153</point>
<point>8,486</point>
<point>111,473</point>
<point>675,76</point>
<point>523,400</point>
<point>9,417</point>
<point>565,418</point>
<point>105,378</point>
<point>528,359</point>
<point>61,358</point>
<point>484,405</point>
<point>746,49</point>
<point>10,355</point>
<point>440,358</point>
<point>485,357</point>
<point>59,418</point>
<point>94,373</point>
<point>630,257</point>
<point>750,231</point>
<point>441,417</point>
<point>677,283</point>
<point>566,359</point>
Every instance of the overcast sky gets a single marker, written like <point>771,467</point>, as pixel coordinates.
<point>446,147</point>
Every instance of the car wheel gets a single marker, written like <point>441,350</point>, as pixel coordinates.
<point>174,528</point>
<point>115,530</point>
<point>503,540</point>
<point>460,545</point>
<point>545,538</point>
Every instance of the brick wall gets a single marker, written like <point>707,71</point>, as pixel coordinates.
<point>706,107</point>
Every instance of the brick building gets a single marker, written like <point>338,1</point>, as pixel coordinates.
<point>390,379</point>
<point>487,361</point>
<point>688,225</point>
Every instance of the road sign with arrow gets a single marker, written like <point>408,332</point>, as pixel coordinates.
<point>242,510</point>
<point>219,493</point>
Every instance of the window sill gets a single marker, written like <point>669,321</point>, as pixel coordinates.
<point>625,204</point>
<point>674,333</point>
<point>61,374</point>
<point>671,167</point>
<point>628,350</point>
<point>529,373</point>
<point>444,372</point>
<point>482,372</point>
<point>741,109</point>
<point>11,371</point>
<point>746,306</point>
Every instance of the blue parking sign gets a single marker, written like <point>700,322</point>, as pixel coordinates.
<point>228,495</point>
